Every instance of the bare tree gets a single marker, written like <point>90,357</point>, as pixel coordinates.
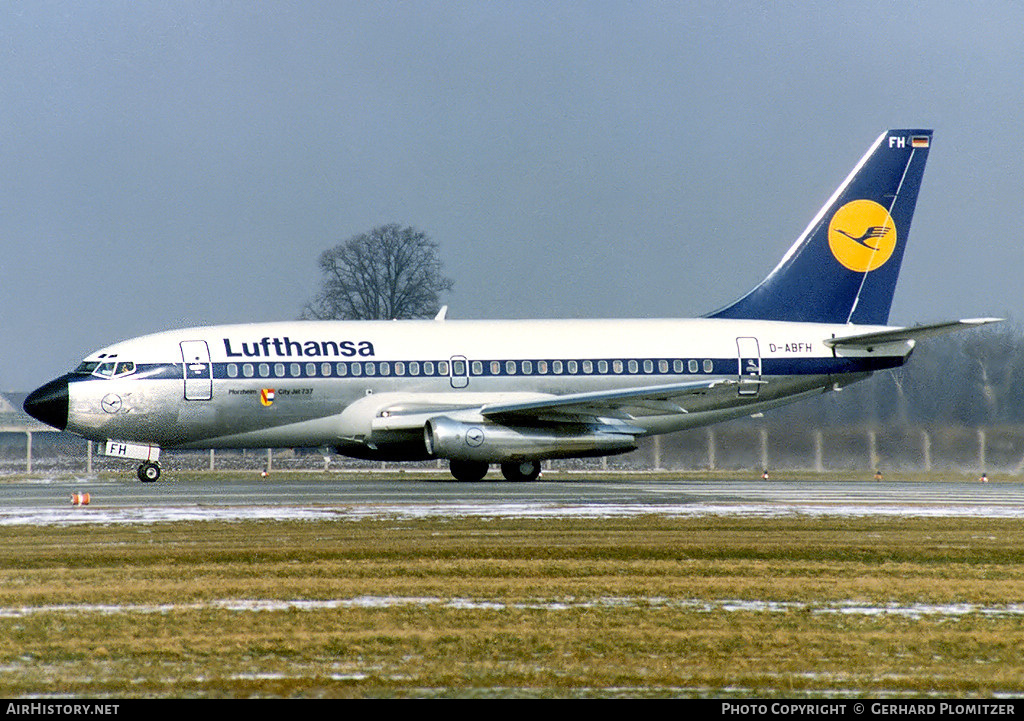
<point>387,273</point>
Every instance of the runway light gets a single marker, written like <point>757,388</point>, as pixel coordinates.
<point>80,499</point>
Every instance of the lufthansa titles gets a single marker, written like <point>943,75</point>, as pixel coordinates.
<point>287,348</point>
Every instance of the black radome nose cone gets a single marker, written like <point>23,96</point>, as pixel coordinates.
<point>49,403</point>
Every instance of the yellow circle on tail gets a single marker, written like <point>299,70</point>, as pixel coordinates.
<point>862,235</point>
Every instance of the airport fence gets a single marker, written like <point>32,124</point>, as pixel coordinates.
<point>742,446</point>
<point>747,446</point>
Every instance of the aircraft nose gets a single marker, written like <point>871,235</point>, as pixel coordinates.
<point>49,403</point>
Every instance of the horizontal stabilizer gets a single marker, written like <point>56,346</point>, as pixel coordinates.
<point>867,341</point>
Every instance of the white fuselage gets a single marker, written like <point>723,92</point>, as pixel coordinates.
<point>325,383</point>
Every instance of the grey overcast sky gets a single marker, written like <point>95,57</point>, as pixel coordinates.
<point>167,164</point>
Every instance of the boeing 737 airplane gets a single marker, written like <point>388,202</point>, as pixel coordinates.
<point>516,393</point>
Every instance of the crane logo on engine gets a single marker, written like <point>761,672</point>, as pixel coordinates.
<point>475,437</point>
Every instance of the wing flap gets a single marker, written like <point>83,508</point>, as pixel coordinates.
<point>410,410</point>
<point>619,403</point>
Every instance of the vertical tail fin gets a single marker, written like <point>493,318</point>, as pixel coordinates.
<point>843,267</point>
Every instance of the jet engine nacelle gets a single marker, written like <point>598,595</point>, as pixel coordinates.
<point>495,443</point>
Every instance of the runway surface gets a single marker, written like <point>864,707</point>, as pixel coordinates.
<point>350,496</point>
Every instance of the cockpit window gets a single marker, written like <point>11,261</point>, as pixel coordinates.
<point>86,367</point>
<point>106,370</point>
<point>109,369</point>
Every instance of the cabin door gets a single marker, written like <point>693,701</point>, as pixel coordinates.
<point>198,371</point>
<point>749,373</point>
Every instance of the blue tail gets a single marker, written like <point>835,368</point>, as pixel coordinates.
<point>843,268</point>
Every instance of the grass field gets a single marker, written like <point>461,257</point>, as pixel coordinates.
<point>643,606</point>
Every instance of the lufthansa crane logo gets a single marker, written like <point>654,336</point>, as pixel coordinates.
<point>862,235</point>
<point>475,437</point>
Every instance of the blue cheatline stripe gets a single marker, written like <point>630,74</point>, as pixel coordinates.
<point>534,368</point>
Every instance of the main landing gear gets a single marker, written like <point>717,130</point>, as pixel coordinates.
<point>473,471</point>
<point>522,471</point>
<point>149,472</point>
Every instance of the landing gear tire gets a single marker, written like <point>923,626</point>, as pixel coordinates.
<point>149,472</point>
<point>522,471</point>
<point>468,471</point>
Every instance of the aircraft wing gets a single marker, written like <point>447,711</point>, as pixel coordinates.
<point>619,403</point>
<point>406,411</point>
<point>868,341</point>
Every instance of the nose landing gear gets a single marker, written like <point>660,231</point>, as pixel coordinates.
<point>149,472</point>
